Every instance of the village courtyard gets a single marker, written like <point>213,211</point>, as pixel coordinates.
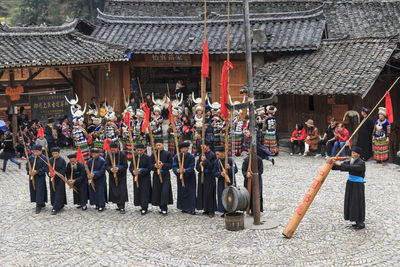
<point>89,238</point>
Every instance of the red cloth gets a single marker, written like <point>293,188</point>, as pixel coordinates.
<point>146,116</point>
<point>224,88</point>
<point>127,119</point>
<point>170,111</point>
<point>389,109</point>
<point>344,135</point>
<point>106,146</point>
<point>79,156</point>
<point>299,135</point>
<point>205,65</point>
<point>52,171</point>
<point>40,132</point>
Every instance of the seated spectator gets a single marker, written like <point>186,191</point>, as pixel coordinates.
<point>311,142</point>
<point>327,140</point>
<point>297,139</point>
<point>342,135</point>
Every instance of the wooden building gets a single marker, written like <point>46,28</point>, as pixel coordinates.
<point>166,37</point>
<point>46,60</point>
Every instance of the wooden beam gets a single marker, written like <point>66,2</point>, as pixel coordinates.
<point>11,81</point>
<point>32,76</point>
<point>92,82</point>
<point>65,77</point>
<point>91,72</point>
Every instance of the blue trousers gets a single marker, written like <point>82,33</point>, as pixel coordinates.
<point>6,160</point>
<point>336,148</point>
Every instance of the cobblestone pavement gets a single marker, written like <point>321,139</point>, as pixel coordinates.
<point>74,237</point>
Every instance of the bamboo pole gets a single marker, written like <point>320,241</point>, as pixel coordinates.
<point>114,173</point>
<point>177,146</point>
<point>27,159</point>
<point>62,177</point>
<point>51,176</point>
<point>151,136</point>
<point>203,99</point>
<point>136,180</point>
<point>249,183</point>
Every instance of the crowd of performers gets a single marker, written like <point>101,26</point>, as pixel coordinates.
<point>131,127</point>
<point>151,175</point>
<point>115,146</point>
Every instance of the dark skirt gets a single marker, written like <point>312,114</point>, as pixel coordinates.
<point>354,202</point>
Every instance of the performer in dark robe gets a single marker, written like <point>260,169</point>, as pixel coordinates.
<point>142,183</point>
<point>58,197</point>
<point>96,165</point>
<point>186,199</point>
<point>116,162</point>
<point>246,171</point>
<point>206,191</point>
<point>219,167</point>
<point>79,179</point>
<point>364,140</point>
<point>39,170</point>
<point>162,192</point>
<point>354,198</point>
<point>50,133</point>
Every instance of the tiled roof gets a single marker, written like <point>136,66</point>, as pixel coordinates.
<point>171,8</point>
<point>291,31</point>
<point>53,46</point>
<point>362,18</point>
<point>344,18</point>
<point>339,67</point>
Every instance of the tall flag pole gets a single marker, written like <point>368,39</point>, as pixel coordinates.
<point>205,69</point>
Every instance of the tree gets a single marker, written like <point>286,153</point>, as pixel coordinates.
<point>54,12</point>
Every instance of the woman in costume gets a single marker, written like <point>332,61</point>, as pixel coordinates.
<point>381,136</point>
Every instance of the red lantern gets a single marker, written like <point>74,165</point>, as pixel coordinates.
<point>14,93</point>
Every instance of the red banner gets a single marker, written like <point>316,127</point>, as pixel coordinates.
<point>205,65</point>
<point>40,133</point>
<point>146,116</point>
<point>224,88</point>
<point>127,119</point>
<point>106,146</point>
<point>79,156</point>
<point>389,108</point>
<point>170,112</point>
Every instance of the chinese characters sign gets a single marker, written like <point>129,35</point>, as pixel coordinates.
<point>168,59</point>
<point>45,105</point>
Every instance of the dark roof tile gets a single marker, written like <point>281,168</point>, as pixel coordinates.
<point>53,46</point>
<point>339,67</point>
<point>301,30</point>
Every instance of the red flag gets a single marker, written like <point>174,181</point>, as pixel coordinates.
<point>170,111</point>
<point>127,119</point>
<point>146,116</point>
<point>79,156</point>
<point>389,109</point>
<point>224,88</point>
<point>106,145</point>
<point>205,66</point>
<point>40,133</point>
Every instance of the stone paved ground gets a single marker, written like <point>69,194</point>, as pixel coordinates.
<point>323,238</point>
